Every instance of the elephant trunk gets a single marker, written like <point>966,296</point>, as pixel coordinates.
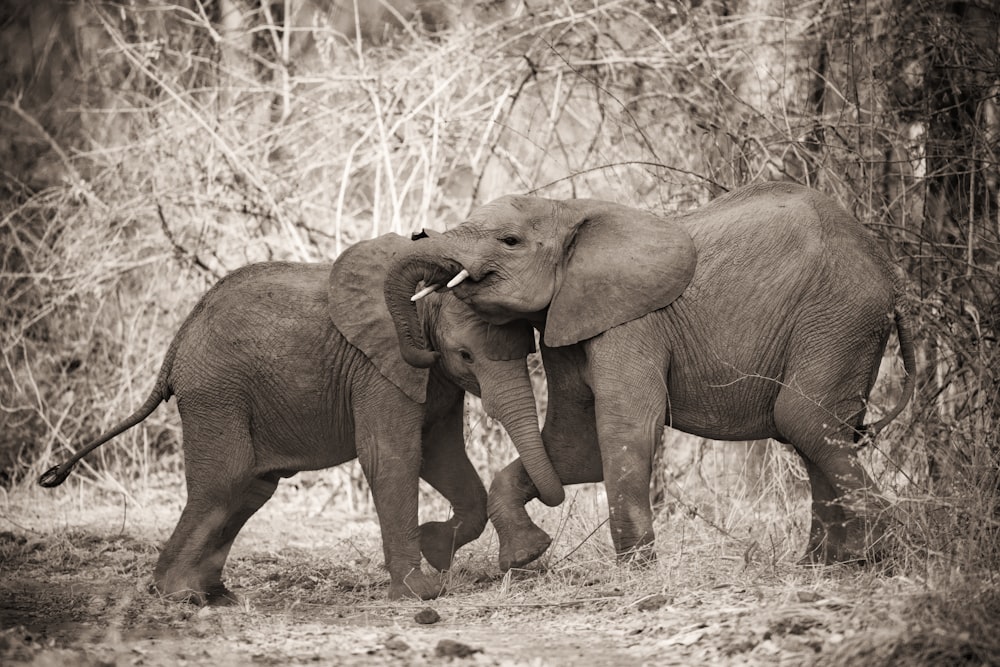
<point>428,264</point>
<point>512,403</point>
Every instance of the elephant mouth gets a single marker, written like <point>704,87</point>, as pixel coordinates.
<point>459,281</point>
<point>477,294</point>
<point>468,287</point>
<point>442,278</point>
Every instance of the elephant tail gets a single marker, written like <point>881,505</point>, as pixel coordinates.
<point>161,392</point>
<point>905,336</point>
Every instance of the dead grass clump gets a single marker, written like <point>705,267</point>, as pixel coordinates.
<point>954,627</point>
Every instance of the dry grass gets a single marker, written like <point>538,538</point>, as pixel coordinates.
<point>313,589</point>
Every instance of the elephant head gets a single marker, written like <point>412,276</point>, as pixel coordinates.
<point>574,267</point>
<point>485,359</point>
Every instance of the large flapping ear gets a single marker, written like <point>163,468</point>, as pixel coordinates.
<point>621,263</point>
<point>358,309</point>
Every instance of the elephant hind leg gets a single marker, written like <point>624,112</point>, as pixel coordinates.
<point>221,498</point>
<point>190,565</point>
<point>257,492</point>
<point>828,521</point>
<point>847,507</point>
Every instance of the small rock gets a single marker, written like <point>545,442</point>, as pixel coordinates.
<point>448,648</point>
<point>427,616</point>
<point>807,596</point>
<point>654,602</point>
<point>396,643</point>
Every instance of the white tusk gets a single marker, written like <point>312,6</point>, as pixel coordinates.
<point>459,277</point>
<point>424,292</point>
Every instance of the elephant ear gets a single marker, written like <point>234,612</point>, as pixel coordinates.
<point>621,263</point>
<point>506,342</point>
<point>358,310</point>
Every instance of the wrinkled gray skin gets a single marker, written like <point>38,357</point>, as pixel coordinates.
<point>761,315</point>
<point>285,367</point>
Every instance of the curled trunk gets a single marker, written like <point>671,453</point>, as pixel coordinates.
<point>425,264</point>
<point>506,389</point>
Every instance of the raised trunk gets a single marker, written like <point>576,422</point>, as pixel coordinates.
<point>427,263</point>
<point>510,401</point>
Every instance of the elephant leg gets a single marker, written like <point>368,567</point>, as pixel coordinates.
<point>447,468</point>
<point>389,453</point>
<point>222,496</point>
<point>847,507</point>
<point>827,522</point>
<point>570,436</point>
<point>630,404</point>
<point>245,505</point>
<point>182,571</point>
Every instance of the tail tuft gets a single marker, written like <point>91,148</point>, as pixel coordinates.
<point>55,475</point>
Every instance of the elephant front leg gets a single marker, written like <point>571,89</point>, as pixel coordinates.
<point>447,468</point>
<point>570,437</point>
<point>630,400</point>
<point>521,541</point>
<point>627,473</point>
<point>389,453</point>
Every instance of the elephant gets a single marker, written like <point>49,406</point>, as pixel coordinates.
<point>283,367</point>
<point>763,314</point>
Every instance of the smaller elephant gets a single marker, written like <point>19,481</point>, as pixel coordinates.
<point>283,367</point>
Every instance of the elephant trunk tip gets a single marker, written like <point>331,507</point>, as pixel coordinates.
<point>553,496</point>
<point>55,475</point>
<point>418,357</point>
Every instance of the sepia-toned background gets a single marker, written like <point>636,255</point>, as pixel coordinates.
<point>147,149</point>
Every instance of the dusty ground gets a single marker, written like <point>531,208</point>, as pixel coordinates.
<point>75,563</point>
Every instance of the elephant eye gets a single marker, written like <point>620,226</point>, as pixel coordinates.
<point>466,356</point>
<point>510,241</point>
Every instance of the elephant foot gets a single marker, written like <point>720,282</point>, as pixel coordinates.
<point>817,556</point>
<point>220,596</point>
<point>416,584</point>
<point>812,559</point>
<point>829,552</point>
<point>641,555</point>
<point>527,544</point>
<point>192,589</point>
<point>215,596</point>
<point>438,543</point>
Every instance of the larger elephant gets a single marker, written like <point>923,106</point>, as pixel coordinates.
<point>763,314</point>
<point>283,367</point>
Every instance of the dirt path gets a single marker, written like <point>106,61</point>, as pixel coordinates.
<point>74,568</point>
